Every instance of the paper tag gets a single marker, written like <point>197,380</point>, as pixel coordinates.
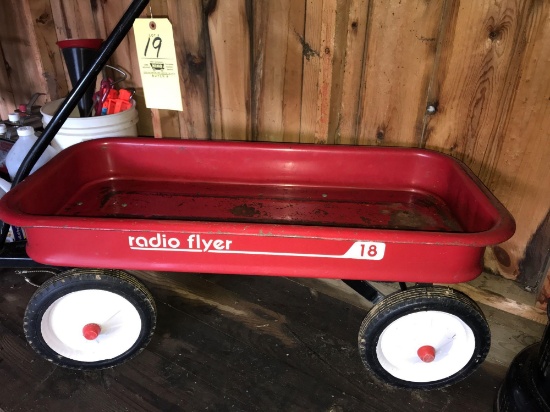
<point>158,64</point>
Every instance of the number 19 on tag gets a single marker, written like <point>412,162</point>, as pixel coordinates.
<point>155,42</point>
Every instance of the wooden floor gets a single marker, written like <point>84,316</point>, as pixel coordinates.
<point>233,343</point>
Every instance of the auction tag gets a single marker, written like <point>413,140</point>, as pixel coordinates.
<point>158,64</point>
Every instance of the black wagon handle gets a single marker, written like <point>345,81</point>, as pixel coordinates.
<point>63,112</point>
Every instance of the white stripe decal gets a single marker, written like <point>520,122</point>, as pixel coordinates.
<point>242,252</point>
<point>359,250</point>
<point>166,249</point>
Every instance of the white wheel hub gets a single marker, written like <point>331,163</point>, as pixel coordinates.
<point>63,323</point>
<point>451,339</point>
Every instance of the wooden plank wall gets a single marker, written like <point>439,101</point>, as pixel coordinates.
<point>467,78</point>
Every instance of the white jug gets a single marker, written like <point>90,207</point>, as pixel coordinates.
<point>20,149</point>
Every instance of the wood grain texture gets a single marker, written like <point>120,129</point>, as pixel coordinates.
<point>491,65</point>
<point>320,57</point>
<point>311,46</point>
<point>79,19</point>
<point>229,70</point>
<point>400,54</point>
<point>7,99</point>
<point>352,72</point>
<point>277,58</point>
<point>504,304</point>
<point>125,56</point>
<point>190,36</point>
<point>476,79</point>
<point>520,177</point>
<point>336,37</point>
<point>292,90</point>
<point>50,55</point>
<point>329,65</point>
<point>162,122</point>
<point>19,46</point>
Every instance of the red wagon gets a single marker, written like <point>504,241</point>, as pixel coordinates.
<point>353,213</point>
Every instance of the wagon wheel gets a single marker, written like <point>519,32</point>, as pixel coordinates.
<point>90,319</point>
<point>424,337</point>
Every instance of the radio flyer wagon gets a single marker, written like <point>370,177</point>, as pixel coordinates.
<point>353,213</point>
<point>380,214</point>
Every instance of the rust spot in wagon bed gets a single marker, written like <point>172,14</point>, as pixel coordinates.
<point>245,211</point>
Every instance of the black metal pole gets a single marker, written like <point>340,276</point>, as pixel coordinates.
<point>62,114</point>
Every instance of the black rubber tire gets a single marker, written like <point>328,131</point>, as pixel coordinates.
<point>418,299</point>
<point>74,280</point>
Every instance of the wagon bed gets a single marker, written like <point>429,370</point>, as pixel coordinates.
<point>268,209</point>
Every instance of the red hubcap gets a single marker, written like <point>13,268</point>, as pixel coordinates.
<point>426,353</point>
<point>91,331</point>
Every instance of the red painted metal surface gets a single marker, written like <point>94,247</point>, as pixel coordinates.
<point>257,208</point>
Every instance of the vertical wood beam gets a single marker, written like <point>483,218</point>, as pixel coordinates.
<point>50,55</point>
<point>277,69</point>
<point>190,35</point>
<point>399,60</point>
<point>318,50</point>
<point>352,72</point>
<point>229,66</point>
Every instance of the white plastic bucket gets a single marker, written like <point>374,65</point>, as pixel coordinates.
<point>77,129</point>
